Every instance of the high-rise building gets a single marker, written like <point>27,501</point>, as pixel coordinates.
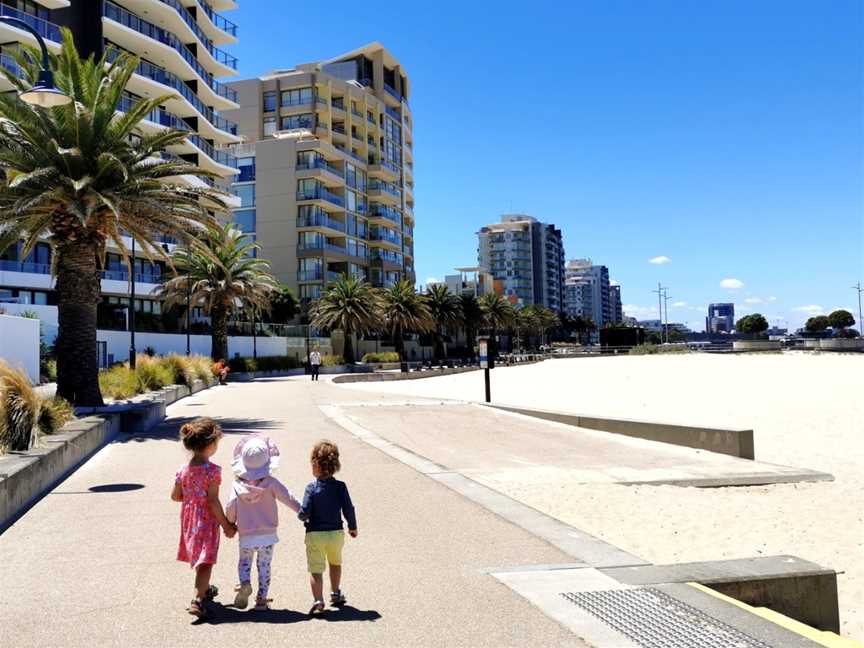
<point>589,291</point>
<point>179,47</point>
<point>327,169</point>
<point>721,318</point>
<point>526,259</point>
<point>475,281</point>
<point>617,307</point>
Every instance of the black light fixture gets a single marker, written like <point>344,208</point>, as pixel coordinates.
<point>44,94</point>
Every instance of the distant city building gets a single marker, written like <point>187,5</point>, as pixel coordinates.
<point>617,308</point>
<point>721,318</point>
<point>656,326</point>
<point>588,292</point>
<point>526,260</point>
<point>476,281</point>
<point>630,321</point>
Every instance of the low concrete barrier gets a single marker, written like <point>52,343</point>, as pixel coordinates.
<point>757,345</point>
<point>411,375</point>
<point>249,376</point>
<point>841,344</point>
<point>25,477</point>
<point>737,443</point>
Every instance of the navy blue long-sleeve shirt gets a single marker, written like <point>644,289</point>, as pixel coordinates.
<point>325,501</point>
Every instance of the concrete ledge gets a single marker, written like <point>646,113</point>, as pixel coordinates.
<point>413,375</point>
<point>25,477</point>
<point>840,344</point>
<point>249,376</point>
<point>737,443</point>
<point>757,345</point>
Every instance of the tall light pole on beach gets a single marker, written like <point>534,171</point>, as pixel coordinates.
<point>661,295</point>
<point>857,287</point>
<point>666,299</point>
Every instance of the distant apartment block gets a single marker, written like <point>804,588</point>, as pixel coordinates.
<point>475,281</point>
<point>721,318</point>
<point>526,260</point>
<point>588,292</point>
<point>617,307</point>
<point>327,170</point>
<point>179,45</point>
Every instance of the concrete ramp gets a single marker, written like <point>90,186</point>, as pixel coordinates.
<point>493,446</point>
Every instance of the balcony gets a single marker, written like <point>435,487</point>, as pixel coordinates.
<point>157,116</point>
<point>376,186</point>
<point>123,275</point>
<point>218,55</point>
<point>356,113</point>
<point>217,155</point>
<point>321,163</point>
<point>392,92</point>
<point>46,30</point>
<point>386,236</point>
<point>217,19</point>
<point>387,256</point>
<point>309,275</point>
<point>393,113</point>
<point>321,193</point>
<point>332,276</point>
<point>23,266</point>
<point>157,74</point>
<point>381,211</point>
<point>320,219</point>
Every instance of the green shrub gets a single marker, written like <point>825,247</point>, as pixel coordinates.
<point>654,349</point>
<point>55,413</point>
<point>49,369</point>
<point>381,356</point>
<point>332,360</point>
<point>119,382</point>
<point>183,369</point>
<point>152,373</point>
<point>20,406</point>
<point>203,367</point>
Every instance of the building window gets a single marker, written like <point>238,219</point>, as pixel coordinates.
<point>296,97</point>
<point>298,121</point>
<point>269,102</point>
<point>310,291</point>
<point>246,193</point>
<point>269,126</point>
<point>245,220</point>
<point>246,166</point>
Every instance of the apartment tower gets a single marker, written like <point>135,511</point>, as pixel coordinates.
<point>179,44</point>
<point>327,170</point>
<point>588,292</point>
<point>526,259</point>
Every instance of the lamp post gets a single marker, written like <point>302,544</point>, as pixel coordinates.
<point>44,94</point>
<point>254,335</point>
<point>132,353</point>
<point>859,289</point>
<point>188,314</point>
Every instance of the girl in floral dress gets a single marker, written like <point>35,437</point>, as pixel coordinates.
<point>196,485</point>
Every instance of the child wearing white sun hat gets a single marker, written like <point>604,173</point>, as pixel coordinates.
<point>252,507</point>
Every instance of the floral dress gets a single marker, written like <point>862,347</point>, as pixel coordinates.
<point>199,530</point>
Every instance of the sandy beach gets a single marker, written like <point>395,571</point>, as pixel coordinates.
<point>806,411</point>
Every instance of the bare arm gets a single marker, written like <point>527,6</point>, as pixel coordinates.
<point>216,508</point>
<point>177,492</point>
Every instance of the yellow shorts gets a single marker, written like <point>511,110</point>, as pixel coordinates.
<point>323,547</point>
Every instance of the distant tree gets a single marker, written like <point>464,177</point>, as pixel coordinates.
<point>497,316</point>
<point>284,306</point>
<point>654,337</point>
<point>404,311</point>
<point>840,320</point>
<point>816,324</point>
<point>754,325</point>
<point>472,318</point>
<point>675,335</point>
<point>349,305</point>
<point>446,314</point>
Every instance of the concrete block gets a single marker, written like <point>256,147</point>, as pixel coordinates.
<point>737,443</point>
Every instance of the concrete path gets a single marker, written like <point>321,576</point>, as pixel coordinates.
<point>92,564</point>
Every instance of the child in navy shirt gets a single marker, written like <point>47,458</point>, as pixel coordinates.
<point>325,501</point>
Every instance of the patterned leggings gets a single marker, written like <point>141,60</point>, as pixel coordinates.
<point>265,556</point>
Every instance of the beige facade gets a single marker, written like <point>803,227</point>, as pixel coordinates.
<point>326,170</point>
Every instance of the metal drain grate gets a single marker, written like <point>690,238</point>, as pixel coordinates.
<point>654,619</point>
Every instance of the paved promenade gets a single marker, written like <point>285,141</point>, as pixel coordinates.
<point>92,564</point>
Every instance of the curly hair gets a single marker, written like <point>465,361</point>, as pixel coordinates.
<point>325,455</point>
<point>200,433</point>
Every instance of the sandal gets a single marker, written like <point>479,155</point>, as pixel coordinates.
<point>197,608</point>
<point>337,598</point>
<point>262,603</point>
<point>317,608</point>
<point>244,591</point>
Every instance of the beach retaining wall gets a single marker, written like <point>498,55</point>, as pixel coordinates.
<point>25,477</point>
<point>737,443</point>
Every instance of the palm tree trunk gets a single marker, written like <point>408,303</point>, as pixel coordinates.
<point>219,333</point>
<point>399,342</point>
<point>78,291</point>
<point>348,348</point>
<point>439,344</point>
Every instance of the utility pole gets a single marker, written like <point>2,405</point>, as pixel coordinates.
<point>859,289</point>
<point>661,293</point>
<point>666,299</point>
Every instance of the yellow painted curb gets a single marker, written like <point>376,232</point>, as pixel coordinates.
<point>822,637</point>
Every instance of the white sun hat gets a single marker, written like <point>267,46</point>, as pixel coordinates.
<point>255,457</point>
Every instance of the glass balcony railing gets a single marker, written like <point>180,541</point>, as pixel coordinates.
<point>377,254</point>
<point>320,219</point>
<point>217,19</point>
<point>321,163</point>
<point>393,113</point>
<point>123,275</point>
<point>190,20</point>
<point>157,116</point>
<point>320,193</point>
<point>9,63</point>
<point>309,275</point>
<point>23,266</point>
<point>392,91</point>
<point>224,91</point>
<point>386,236</point>
<point>218,155</point>
<point>332,276</point>
<point>45,29</point>
<point>155,73</point>
<point>380,211</point>
<point>377,185</point>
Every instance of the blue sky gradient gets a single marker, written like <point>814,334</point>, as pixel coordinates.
<point>725,136</point>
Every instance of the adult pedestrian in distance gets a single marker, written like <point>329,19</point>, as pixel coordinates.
<point>315,363</point>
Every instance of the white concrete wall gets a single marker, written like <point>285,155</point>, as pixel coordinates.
<point>165,343</point>
<point>19,344</point>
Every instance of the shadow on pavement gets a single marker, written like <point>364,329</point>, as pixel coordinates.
<point>102,488</point>
<point>170,427</point>
<point>349,613</point>
<point>218,614</point>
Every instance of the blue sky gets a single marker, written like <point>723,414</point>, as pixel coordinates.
<point>724,136</point>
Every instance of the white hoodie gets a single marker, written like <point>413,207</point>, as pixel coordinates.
<point>252,505</point>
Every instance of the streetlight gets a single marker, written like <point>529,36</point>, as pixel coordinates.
<point>132,353</point>
<point>44,94</point>
<point>859,289</point>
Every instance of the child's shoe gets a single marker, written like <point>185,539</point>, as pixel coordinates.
<point>318,608</point>
<point>262,603</point>
<point>337,598</point>
<point>198,608</point>
<point>244,591</point>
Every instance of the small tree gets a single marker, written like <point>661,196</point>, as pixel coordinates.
<point>754,325</point>
<point>284,306</point>
<point>816,324</point>
<point>840,320</point>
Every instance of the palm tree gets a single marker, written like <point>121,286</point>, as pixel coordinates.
<point>497,315</point>
<point>349,305</point>
<point>472,318</point>
<point>81,175</point>
<point>546,319</point>
<point>223,276</point>
<point>404,310</point>
<point>446,313</point>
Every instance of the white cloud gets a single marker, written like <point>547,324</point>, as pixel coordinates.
<point>772,298</point>
<point>679,304</point>
<point>632,310</point>
<point>753,300</point>
<point>811,309</point>
<point>432,280</point>
<point>660,260</point>
<point>732,284</point>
